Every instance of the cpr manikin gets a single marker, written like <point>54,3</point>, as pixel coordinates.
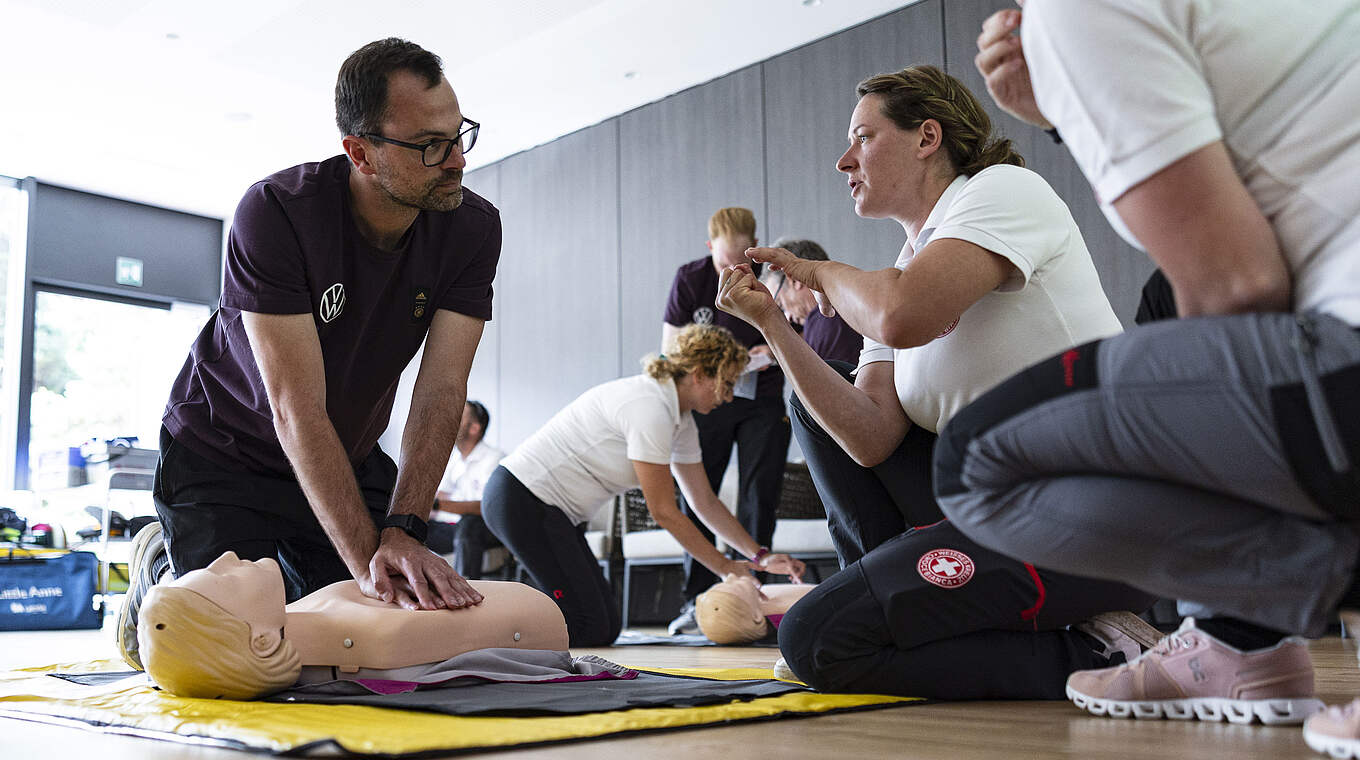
<point>739,610</point>
<point>225,632</point>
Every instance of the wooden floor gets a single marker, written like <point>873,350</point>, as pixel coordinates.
<point>958,731</point>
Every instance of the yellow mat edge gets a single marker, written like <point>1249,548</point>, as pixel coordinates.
<point>361,729</point>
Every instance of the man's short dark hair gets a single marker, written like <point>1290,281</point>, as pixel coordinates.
<point>480,414</point>
<point>361,88</point>
<point>803,249</point>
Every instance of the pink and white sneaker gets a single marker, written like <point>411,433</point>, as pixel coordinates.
<point>1335,731</point>
<point>1191,675</point>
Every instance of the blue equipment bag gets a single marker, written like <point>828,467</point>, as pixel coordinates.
<point>48,593</point>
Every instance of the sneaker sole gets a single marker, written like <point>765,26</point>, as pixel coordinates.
<point>127,624</point>
<point>1331,745</point>
<point>1271,712</point>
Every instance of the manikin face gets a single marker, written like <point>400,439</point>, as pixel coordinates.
<point>730,250</point>
<point>418,114</point>
<point>250,591</point>
<point>881,164</point>
<point>745,588</point>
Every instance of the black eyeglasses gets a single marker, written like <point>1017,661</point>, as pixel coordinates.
<point>783,278</point>
<point>436,152</point>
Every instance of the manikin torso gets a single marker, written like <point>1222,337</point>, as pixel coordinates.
<point>338,626</point>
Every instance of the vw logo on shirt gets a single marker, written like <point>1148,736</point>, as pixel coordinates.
<point>332,302</point>
<point>703,316</point>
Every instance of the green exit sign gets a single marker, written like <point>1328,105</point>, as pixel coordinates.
<point>129,271</point>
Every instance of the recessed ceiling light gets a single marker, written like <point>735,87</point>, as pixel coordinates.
<point>630,75</point>
<point>238,117</point>
<point>811,3</point>
<point>175,36</point>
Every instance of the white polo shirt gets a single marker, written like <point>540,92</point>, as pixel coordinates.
<point>583,455</point>
<point>1135,85</point>
<point>465,477</point>
<point>1053,302</point>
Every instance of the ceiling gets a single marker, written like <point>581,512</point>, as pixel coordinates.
<point>183,103</point>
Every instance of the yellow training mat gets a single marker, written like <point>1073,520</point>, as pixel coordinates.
<point>134,707</point>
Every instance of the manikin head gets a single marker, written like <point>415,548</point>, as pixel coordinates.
<point>729,612</point>
<point>217,633</point>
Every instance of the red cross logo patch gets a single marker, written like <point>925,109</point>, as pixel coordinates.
<point>946,568</point>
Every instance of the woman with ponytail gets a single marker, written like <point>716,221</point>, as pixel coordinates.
<point>631,432</point>
<point>994,277</point>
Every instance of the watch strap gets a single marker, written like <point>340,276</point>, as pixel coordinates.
<point>413,526</point>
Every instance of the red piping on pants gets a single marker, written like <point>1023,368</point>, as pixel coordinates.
<point>1032,614</point>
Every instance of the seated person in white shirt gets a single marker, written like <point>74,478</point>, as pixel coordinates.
<point>456,524</point>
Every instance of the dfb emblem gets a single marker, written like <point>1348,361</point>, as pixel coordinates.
<point>332,302</point>
<point>946,568</point>
<point>948,329</point>
<point>419,303</point>
<point>703,316</point>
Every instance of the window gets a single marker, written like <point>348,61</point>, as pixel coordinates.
<point>102,369</point>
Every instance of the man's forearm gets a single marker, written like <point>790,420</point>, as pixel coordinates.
<point>327,479</point>
<point>426,444</point>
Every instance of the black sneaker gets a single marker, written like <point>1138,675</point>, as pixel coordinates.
<point>150,561</point>
<point>685,622</point>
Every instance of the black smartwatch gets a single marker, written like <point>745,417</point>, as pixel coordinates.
<point>414,526</point>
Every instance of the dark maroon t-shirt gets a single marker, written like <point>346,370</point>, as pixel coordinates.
<point>294,249</point>
<point>694,291</point>
<point>831,338</point>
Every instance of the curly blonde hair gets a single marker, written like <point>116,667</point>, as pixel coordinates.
<point>707,349</point>
<point>191,647</point>
<point>921,92</point>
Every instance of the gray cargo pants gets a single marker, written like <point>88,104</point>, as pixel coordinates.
<point>1215,460</point>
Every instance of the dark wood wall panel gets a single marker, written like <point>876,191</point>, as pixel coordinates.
<point>809,94</point>
<point>558,278</point>
<point>1123,269</point>
<point>681,159</point>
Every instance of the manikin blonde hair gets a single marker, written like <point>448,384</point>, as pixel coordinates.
<point>191,647</point>
<point>709,349</point>
<point>728,618</point>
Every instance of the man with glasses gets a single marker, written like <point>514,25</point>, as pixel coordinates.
<point>336,273</point>
<point>829,337</point>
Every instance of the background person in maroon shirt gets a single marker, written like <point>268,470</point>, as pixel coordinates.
<point>336,272</point>
<point>829,337</point>
<point>755,422</point>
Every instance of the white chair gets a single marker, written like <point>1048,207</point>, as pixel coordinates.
<point>642,542</point>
